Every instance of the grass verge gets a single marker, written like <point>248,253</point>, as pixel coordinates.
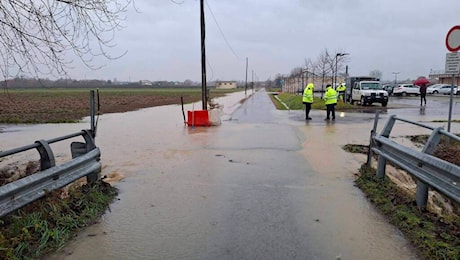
<point>294,102</point>
<point>44,226</point>
<point>435,237</point>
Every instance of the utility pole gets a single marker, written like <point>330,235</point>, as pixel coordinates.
<point>396,78</point>
<point>246,84</point>
<point>252,85</point>
<point>204,96</point>
<point>340,54</point>
<point>346,81</point>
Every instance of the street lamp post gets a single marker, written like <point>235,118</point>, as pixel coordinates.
<point>396,77</point>
<point>340,54</point>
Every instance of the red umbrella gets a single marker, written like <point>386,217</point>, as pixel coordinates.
<point>421,81</point>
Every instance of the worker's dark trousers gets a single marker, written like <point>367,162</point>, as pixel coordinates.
<point>307,109</point>
<point>330,109</point>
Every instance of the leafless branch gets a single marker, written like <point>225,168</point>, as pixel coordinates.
<point>35,35</point>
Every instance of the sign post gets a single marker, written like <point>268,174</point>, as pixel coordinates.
<point>452,63</point>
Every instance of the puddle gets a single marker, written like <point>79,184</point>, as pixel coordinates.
<point>255,187</point>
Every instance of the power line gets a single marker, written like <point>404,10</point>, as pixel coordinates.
<point>221,32</point>
<point>210,67</point>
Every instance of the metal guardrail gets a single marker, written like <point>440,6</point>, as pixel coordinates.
<point>430,171</point>
<point>85,162</point>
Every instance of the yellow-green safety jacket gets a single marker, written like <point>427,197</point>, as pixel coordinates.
<point>330,97</point>
<point>341,88</point>
<point>308,93</point>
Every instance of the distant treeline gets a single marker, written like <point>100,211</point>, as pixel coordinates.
<point>71,83</point>
<point>21,82</point>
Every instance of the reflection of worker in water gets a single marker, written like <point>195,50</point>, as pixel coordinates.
<point>422,89</point>
<point>422,110</point>
<point>341,90</point>
<point>307,99</point>
<point>330,99</point>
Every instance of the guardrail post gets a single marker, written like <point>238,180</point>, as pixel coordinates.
<point>91,103</point>
<point>46,155</point>
<point>381,167</point>
<point>432,141</point>
<point>382,162</point>
<point>421,195</point>
<point>89,139</point>
<point>389,126</point>
<point>371,141</point>
<point>79,149</point>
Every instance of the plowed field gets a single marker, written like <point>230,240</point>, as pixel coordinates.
<point>70,105</point>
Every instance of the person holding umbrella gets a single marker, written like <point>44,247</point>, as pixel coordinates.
<point>422,83</point>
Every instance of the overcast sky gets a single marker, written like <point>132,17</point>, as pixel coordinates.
<point>162,39</point>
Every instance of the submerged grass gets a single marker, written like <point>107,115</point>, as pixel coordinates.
<point>44,226</point>
<point>435,237</point>
<point>356,148</point>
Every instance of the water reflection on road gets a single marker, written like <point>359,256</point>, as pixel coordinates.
<point>263,185</point>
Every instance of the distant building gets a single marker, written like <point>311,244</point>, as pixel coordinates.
<point>145,83</point>
<point>443,78</point>
<point>226,84</point>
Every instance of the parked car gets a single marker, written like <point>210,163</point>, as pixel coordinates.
<point>388,88</point>
<point>434,89</point>
<point>406,90</point>
<point>446,89</point>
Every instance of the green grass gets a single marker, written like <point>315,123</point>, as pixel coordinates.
<point>445,121</point>
<point>44,226</point>
<point>435,237</point>
<point>356,148</point>
<point>294,102</point>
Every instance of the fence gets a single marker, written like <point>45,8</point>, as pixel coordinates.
<point>85,162</point>
<point>430,171</point>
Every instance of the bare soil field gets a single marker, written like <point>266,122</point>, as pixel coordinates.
<point>70,105</point>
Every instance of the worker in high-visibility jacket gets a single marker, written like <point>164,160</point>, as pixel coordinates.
<point>307,99</point>
<point>341,90</point>
<point>330,99</point>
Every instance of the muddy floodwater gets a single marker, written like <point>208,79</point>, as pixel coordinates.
<point>263,185</point>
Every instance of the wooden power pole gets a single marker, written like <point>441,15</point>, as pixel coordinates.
<point>204,93</point>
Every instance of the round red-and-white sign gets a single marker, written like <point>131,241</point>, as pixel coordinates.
<point>453,39</point>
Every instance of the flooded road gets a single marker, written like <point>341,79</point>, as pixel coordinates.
<point>263,185</point>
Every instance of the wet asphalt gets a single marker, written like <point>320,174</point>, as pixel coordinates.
<point>265,184</point>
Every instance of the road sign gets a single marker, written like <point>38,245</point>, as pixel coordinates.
<point>452,63</point>
<point>453,39</point>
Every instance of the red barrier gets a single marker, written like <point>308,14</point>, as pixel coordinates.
<point>198,118</point>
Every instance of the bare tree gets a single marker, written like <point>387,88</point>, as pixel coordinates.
<point>35,35</point>
<point>296,75</point>
<point>323,64</point>
<point>310,68</point>
<point>296,71</point>
<point>376,74</point>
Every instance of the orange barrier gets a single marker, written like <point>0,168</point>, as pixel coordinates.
<point>198,118</point>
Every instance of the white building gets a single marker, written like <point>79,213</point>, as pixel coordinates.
<point>226,84</point>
